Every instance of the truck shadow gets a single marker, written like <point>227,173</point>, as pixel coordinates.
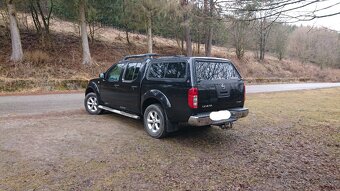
<point>205,135</point>
<point>187,136</point>
<point>205,139</point>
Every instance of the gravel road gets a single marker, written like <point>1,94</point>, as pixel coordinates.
<point>40,104</point>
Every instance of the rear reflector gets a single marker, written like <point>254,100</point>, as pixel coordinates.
<point>193,98</point>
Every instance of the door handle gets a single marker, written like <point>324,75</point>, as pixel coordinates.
<point>116,85</point>
<point>134,87</point>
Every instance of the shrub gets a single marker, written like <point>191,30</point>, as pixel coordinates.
<point>37,57</point>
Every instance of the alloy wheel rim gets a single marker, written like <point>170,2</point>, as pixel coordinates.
<point>92,104</point>
<point>153,121</point>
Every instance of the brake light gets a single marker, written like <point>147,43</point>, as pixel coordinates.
<point>193,98</point>
<point>244,92</point>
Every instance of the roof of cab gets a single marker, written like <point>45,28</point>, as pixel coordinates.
<point>161,57</point>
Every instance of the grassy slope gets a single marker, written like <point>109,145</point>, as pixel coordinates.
<point>62,59</point>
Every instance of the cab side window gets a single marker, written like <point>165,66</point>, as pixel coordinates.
<point>171,70</point>
<point>132,71</point>
<point>175,70</point>
<point>157,70</point>
<point>114,74</point>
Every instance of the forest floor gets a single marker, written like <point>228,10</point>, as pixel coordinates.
<point>289,141</point>
<point>57,64</point>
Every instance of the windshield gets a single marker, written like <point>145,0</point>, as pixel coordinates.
<point>215,70</point>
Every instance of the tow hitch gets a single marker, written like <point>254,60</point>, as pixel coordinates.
<point>226,126</point>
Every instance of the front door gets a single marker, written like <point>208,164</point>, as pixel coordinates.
<point>110,93</point>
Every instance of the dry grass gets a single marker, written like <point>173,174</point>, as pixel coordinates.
<point>251,68</point>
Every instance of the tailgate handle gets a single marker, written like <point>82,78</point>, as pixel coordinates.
<point>224,94</point>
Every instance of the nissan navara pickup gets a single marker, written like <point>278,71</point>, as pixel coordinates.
<point>167,92</point>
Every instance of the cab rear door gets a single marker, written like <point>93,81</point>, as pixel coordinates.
<point>130,87</point>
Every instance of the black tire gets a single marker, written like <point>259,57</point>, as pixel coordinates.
<point>155,121</point>
<point>91,104</point>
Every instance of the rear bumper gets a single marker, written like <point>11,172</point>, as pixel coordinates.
<point>203,119</point>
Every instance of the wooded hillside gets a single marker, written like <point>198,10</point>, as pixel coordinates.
<point>59,39</point>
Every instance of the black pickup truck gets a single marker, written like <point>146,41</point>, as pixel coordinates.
<point>170,91</point>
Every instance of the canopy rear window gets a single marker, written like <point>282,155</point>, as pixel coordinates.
<point>215,70</point>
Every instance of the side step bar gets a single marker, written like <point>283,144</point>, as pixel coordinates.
<point>119,112</point>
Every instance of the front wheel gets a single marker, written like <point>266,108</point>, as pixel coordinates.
<point>155,121</point>
<point>91,104</point>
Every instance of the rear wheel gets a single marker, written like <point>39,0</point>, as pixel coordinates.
<point>91,104</point>
<point>155,121</point>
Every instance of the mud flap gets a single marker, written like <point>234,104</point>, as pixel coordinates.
<point>170,127</point>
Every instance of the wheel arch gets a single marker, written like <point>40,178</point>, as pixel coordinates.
<point>158,97</point>
<point>149,102</point>
<point>155,97</point>
<point>89,90</point>
<point>93,88</point>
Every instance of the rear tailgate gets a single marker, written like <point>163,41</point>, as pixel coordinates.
<point>219,85</point>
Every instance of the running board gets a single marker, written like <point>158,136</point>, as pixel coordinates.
<point>119,112</point>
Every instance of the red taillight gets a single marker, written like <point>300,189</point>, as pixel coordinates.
<point>193,98</point>
<point>244,92</point>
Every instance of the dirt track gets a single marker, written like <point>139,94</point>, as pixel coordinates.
<point>290,141</point>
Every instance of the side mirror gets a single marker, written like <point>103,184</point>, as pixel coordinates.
<point>102,75</point>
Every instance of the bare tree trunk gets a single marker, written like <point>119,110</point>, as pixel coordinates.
<point>264,32</point>
<point>261,39</point>
<point>83,30</point>
<point>45,19</point>
<point>178,39</point>
<point>280,56</point>
<point>199,43</point>
<point>149,32</point>
<point>239,39</point>
<point>182,45</point>
<point>262,47</point>
<point>126,23</point>
<point>262,36</point>
<point>92,32</point>
<point>127,36</point>
<point>208,43</point>
<point>209,32</point>
<point>17,53</point>
<point>35,17</point>
<point>188,42</point>
<point>206,22</point>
